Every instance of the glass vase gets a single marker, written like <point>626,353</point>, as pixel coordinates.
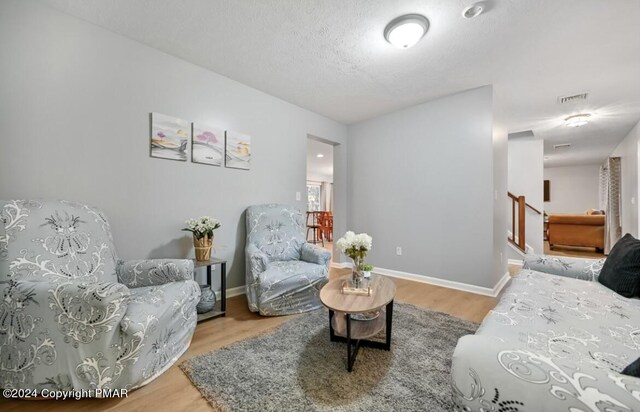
<point>356,272</point>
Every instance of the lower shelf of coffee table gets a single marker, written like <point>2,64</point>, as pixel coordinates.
<point>359,329</point>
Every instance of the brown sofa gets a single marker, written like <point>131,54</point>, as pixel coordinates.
<point>577,230</point>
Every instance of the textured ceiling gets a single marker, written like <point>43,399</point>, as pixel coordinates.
<point>329,56</point>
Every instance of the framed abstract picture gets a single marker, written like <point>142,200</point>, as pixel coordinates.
<point>169,137</point>
<point>238,150</point>
<point>207,145</point>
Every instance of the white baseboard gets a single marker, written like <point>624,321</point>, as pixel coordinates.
<point>237,291</point>
<point>501,284</point>
<point>465,287</point>
<point>516,262</point>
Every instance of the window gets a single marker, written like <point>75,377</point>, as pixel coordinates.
<point>314,196</point>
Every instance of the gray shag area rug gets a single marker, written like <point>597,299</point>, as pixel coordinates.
<point>296,367</point>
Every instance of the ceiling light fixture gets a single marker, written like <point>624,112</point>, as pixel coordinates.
<point>577,120</point>
<point>319,155</point>
<point>474,10</point>
<point>405,31</point>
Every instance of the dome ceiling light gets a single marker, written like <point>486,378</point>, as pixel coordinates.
<point>577,120</point>
<point>405,31</point>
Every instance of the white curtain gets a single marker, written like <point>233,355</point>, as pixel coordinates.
<point>610,201</point>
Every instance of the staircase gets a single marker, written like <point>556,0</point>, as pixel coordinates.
<point>516,236</point>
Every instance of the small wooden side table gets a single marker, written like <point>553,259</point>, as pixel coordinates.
<point>221,307</point>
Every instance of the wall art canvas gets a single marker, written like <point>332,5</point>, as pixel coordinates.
<point>238,150</point>
<point>207,144</point>
<point>169,137</point>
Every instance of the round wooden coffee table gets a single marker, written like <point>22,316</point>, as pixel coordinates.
<point>342,307</point>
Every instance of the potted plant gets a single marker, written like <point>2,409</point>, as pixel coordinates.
<point>366,269</point>
<point>356,247</point>
<point>202,229</point>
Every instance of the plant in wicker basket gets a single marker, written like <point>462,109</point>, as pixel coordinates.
<point>202,229</point>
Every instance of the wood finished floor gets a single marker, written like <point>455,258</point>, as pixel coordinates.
<point>173,391</point>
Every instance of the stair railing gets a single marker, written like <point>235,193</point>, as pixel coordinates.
<point>519,204</point>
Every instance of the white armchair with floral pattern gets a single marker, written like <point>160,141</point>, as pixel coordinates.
<point>284,273</point>
<point>74,317</point>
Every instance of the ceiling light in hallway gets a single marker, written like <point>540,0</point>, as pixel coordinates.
<point>577,120</point>
<point>405,31</point>
<point>319,155</point>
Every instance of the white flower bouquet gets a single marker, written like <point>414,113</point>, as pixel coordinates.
<point>202,226</point>
<point>356,247</point>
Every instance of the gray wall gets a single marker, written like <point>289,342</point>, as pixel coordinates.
<point>74,124</point>
<point>500,171</point>
<point>574,189</point>
<point>526,171</point>
<point>628,150</point>
<point>423,178</point>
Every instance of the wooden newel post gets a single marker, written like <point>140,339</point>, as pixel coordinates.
<point>521,224</point>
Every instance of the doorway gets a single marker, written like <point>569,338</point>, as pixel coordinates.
<point>320,193</point>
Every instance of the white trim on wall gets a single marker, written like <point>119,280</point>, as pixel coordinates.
<point>231,292</point>
<point>465,287</point>
<point>241,290</point>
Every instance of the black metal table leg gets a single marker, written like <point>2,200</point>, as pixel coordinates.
<point>389,323</point>
<point>223,288</point>
<point>351,354</point>
<point>209,275</point>
<point>349,362</point>
<point>332,333</point>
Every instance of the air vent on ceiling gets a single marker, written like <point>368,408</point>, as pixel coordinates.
<point>562,146</point>
<point>573,98</point>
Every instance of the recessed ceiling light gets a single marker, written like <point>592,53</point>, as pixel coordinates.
<point>319,155</point>
<point>577,120</point>
<point>405,31</point>
<point>474,10</point>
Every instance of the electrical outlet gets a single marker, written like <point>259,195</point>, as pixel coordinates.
<point>398,251</point>
<point>298,196</point>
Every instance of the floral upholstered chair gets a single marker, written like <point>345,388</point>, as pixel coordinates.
<point>72,316</point>
<point>284,272</point>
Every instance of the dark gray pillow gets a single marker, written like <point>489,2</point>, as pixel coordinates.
<point>621,270</point>
<point>633,369</point>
